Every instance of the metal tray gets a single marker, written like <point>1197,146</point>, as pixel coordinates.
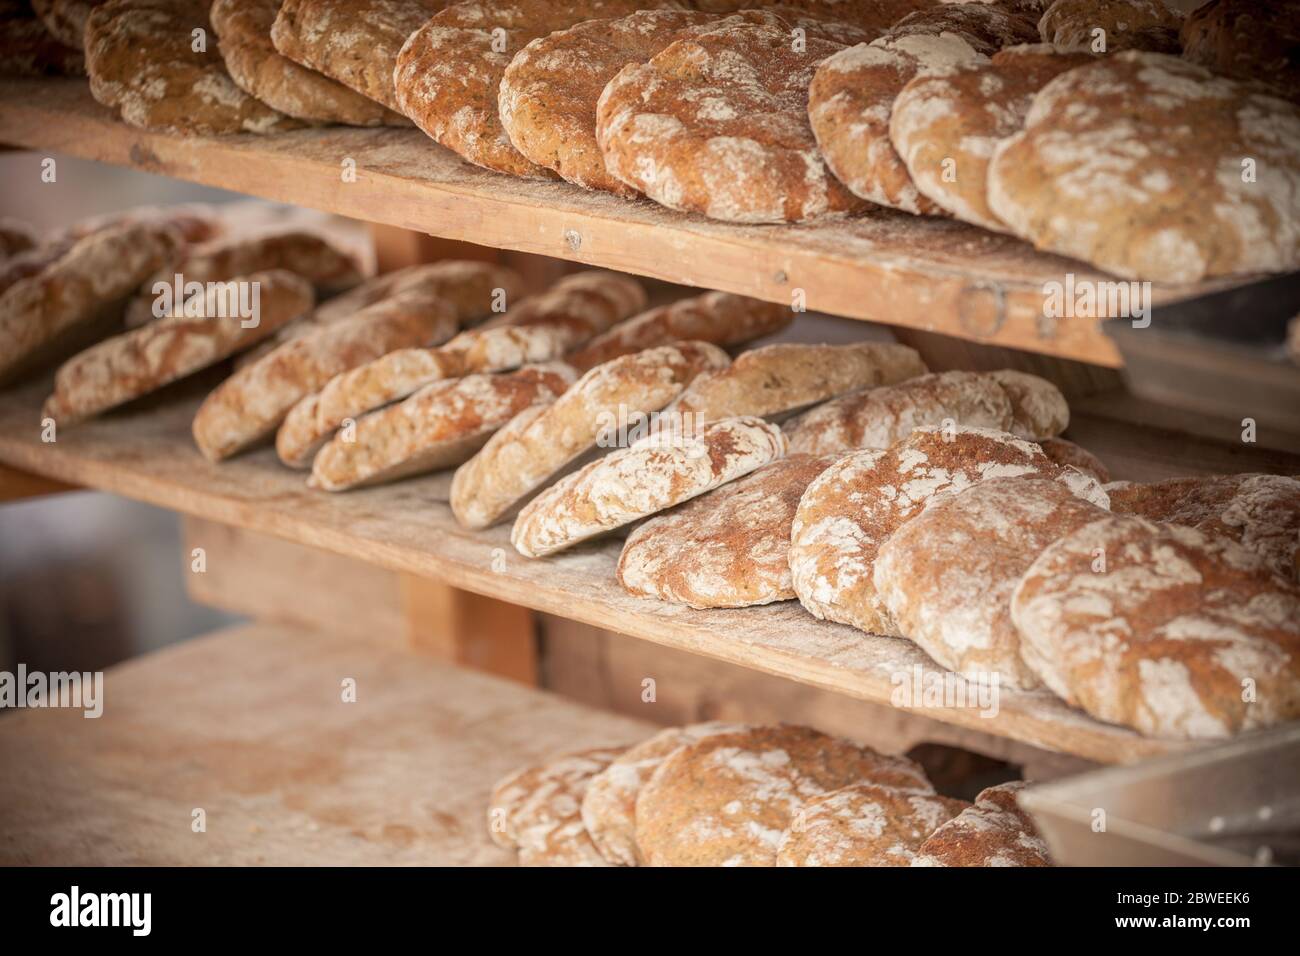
<point>1223,355</point>
<point>1231,804</point>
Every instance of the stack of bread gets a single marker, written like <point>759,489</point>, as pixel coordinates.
<point>736,795</point>
<point>1149,144</point>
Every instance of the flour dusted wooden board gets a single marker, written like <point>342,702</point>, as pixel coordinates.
<point>932,274</point>
<point>146,453</point>
<point>249,725</point>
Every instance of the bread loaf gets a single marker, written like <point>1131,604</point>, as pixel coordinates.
<point>16,237</point>
<point>993,832</point>
<point>539,328</point>
<point>438,427</point>
<point>945,576</point>
<point>244,31</point>
<point>854,506</point>
<point>66,19</point>
<point>718,123</point>
<point>355,42</point>
<point>1068,453</point>
<point>609,803</point>
<point>944,125</point>
<point>27,49</point>
<point>777,379</point>
<point>1165,131</point>
<point>449,71</point>
<point>538,810</point>
<point>864,824</point>
<point>729,548</point>
<point>726,799</point>
<point>78,298</point>
<point>1248,41</point>
<point>142,59</point>
<point>540,442</point>
<point>1163,628</point>
<point>1119,24</point>
<point>717,317</point>
<point>1260,512</point>
<point>876,418</point>
<point>250,405</point>
<point>144,360</point>
<point>650,476</point>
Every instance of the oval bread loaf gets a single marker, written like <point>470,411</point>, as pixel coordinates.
<point>1119,24</point>
<point>993,832</point>
<point>650,476</point>
<point>542,441</point>
<point>1168,630</point>
<point>1247,40</point>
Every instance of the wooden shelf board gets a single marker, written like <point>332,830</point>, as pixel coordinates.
<point>146,453</point>
<point>249,725</point>
<point>931,274</point>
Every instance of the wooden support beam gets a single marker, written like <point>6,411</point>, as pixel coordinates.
<point>470,630</point>
<point>16,485</point>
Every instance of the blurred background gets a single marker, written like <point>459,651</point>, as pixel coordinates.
<point>88,579</point>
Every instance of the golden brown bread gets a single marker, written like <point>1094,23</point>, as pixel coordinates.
<point>1119,24</point>
<point>1172,631</point>
<point>141,361</point>
<point>1247,40</point>
<point>652,475</point>
<point>993,832</point>
<point>66,19</point>
<point>144,61</point>
<point>718,317</point>
<point>729,548</point>
<point>540,442</point>
<point>28,49</point>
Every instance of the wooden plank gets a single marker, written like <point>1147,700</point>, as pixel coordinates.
<point>470,629</point>
<point>250,726</point>
<point>930,274</point>
<point>147,454</point>
<point>17,485</point>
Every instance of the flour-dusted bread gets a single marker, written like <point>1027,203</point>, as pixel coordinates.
<point>538,328</point>
<point>853,91</point>
<point>1172,631</point>
<point>244,34</point>
<point>652,475</point>
<point>717,123</point>
<point>944,125</point>
<point>946,575</point>
<point>609,804</point>
<point>864,824</point>
<point>1247,40</point>
<point>1119,24</point>
<point>79,296</point>
<point>721,318</point>
<point>28,49</point>
<point>1165,131</point>
<point>729,548</point>
<point>541,442</point>
<point>438,427</point>
<point>141,361</point>
<point>1016,402</point>
<point>537,810</point>
<point>854,506</point>
<point>142,61</point>
<point>778,379</point>
<point>449,71</point>
<point>66,19</point>
<point>1065,452</point>
<point>355,42</point>
<point>254,402</point>
<point>1260,512</point>
<point>548,93</point>
<point>993,832</point>
<point>726,800</point>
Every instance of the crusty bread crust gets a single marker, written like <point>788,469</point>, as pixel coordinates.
<point>136,363</point>
<point>993,832</point>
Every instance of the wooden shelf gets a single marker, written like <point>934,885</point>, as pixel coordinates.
<point>146,453</point>
<point>249,725</point>
<point>930,274</point>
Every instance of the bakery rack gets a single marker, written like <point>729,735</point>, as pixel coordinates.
<point>265,696</point>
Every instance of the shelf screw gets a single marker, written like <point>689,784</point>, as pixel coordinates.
<point>573,239</point>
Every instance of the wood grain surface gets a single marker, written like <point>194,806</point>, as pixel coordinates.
<point>249,725</point>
